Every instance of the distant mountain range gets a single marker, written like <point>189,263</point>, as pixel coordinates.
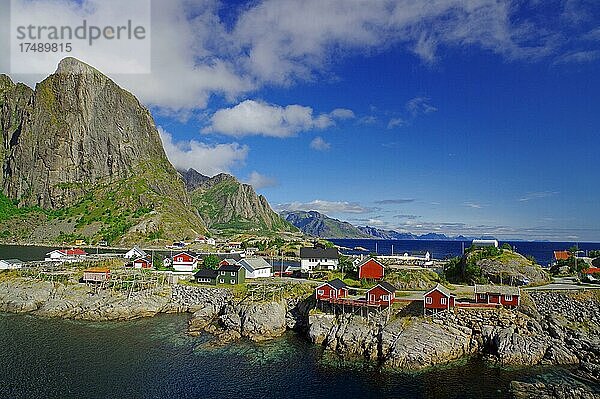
<point>317,224</point>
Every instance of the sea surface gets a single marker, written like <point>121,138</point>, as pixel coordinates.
<point>154,358</point>
<point>542,251</point>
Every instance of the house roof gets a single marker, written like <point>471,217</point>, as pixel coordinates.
<point>562,255</point>
<point>365,261</point>
<point>591,270</point>
<point>335,283</point>
<point>230,261</point>
<point>254,264</point>
<point>321,253</point>
<point>596,262</point>
<point>189,253</point>
<point>138,250</point>
<point>441,289</point>
<point>386,286</point>
<point>97,270</point>
<point>69,252</point>
<point>497,289</point>
<point>206,273</point>
<point>12,261</point>
<point>142,259</point>
<point>230,268</point>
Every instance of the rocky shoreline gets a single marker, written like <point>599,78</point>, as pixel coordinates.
<point>549,328</point>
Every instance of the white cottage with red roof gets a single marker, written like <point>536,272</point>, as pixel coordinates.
<point>185,262</point>
<point>66,255</point>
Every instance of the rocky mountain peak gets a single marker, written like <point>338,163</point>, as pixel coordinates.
<point>70,65</point>
<point>193,179</point>
<point>5,82</point>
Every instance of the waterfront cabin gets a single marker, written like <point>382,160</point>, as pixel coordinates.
<point>318,259</point>
<point>370,268</point>
<point>11,264</point>
<point>498,294</point>
<point>135,253</point>
<point>332,290</point>
<point>383,292</point>
<point>437,299</point>
<point>256,267</point>
<point>96,275</point>
<point>231,274</point>
<point>66,255</point>
<point>142,263</point>
<point>485,243</point>
<point>206,276</point>
<point>185,262</point>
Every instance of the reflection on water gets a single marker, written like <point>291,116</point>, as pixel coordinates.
<point>154,358</point>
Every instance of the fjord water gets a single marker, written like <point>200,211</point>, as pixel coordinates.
<point>542,251</point>
<point>154,358</point>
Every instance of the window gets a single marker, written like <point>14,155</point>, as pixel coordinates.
<point>385,297</point>
<point>232,281</point>
<point>232,274</point>
<point>508,297</point>
<point>444,301</point>
<point>222,273</point>
<point>320,292</point>
<point>428,300</point>
<point>482,296</point>
<point>221,281</point>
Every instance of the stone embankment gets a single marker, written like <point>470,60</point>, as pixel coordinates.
<point>549,329</point>
<point>214,310</point>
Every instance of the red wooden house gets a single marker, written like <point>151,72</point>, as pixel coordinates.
<point>382,293</point>
<point>498,294</point>
<point>332,290</point>
<point>437,299</point>
<point>142,263</point>
<point>370,268</point>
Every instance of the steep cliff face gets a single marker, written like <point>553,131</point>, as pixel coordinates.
<point>81,129</point>
<point>229,206</point>
<point>86,150</point>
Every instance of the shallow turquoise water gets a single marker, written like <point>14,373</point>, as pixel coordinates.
<point>154,358</point>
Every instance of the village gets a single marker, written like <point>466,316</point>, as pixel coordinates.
<point>360,284</point>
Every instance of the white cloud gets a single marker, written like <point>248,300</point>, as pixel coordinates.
<point>420,105</point>
<point>473,205</point>
<point>578,57</point>
<point>196,54</point>
<point>396,122</point>
<point>327,207</point>
<point>206,159</point>
<point>537,195</point>
<point>342,113</point>
<point>319,144</point>
<point>257,118</point>
<point>259,181</point>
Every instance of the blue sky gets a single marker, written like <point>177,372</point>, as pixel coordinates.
<point>472,118</point>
